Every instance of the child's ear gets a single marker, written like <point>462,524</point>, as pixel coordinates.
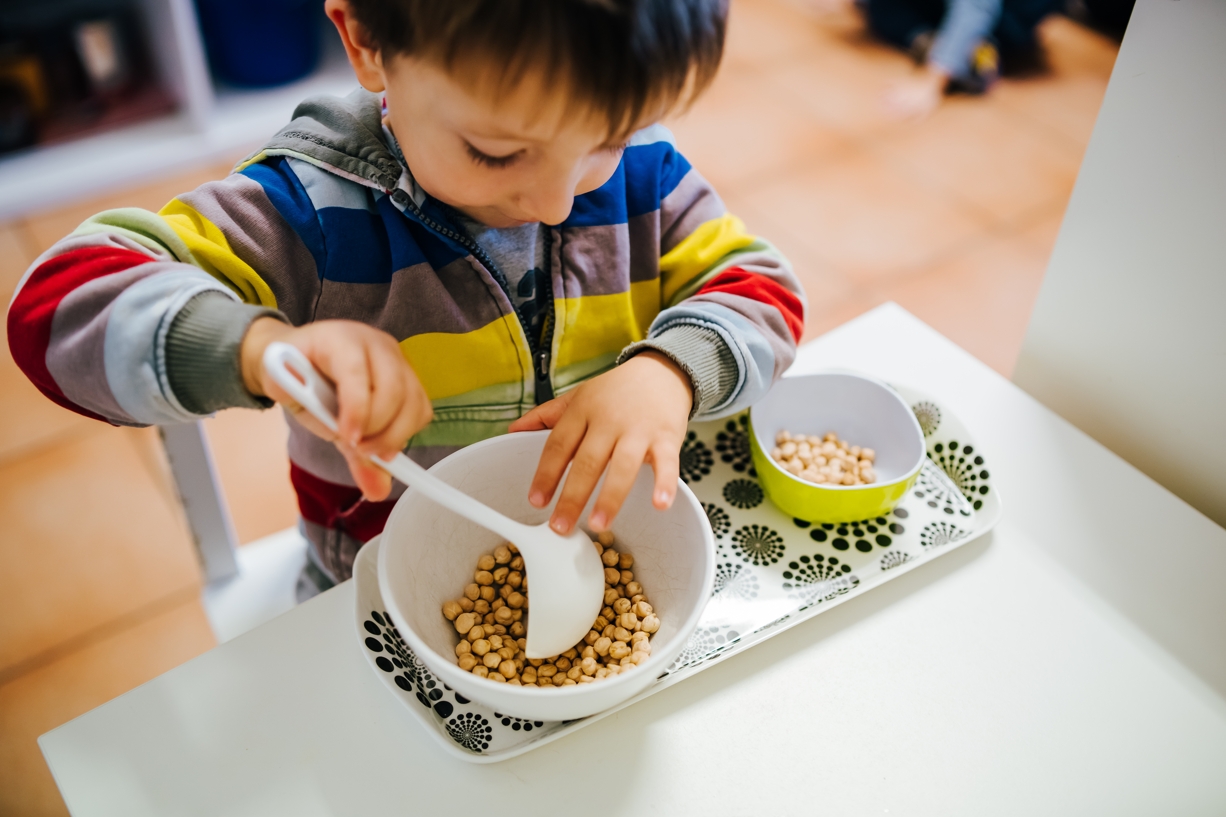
<point>365,58</point>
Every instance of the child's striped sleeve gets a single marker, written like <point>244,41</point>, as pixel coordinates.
<point>733,309</point>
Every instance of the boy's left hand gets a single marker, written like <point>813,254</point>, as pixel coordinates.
<point>633,414</point>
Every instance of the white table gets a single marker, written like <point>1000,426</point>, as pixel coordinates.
<point>1072,662</point>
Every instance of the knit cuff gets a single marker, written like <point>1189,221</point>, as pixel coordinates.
<point>704,357</point>
<point>202,353</point>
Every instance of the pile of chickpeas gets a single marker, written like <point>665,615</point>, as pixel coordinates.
<point>824,460</point>
<point>490,620</point>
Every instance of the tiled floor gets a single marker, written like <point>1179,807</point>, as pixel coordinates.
<point>953,217</point>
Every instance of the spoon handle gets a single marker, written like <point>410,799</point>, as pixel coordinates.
<point>292,371</point>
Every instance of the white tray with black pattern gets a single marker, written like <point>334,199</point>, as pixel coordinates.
<point>772,572</point>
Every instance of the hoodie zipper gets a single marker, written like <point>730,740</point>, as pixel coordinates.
<point>540,348</point>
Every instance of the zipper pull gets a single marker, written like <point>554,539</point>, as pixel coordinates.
<point>544,389</point>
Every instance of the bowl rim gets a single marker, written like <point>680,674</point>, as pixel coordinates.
<point>919,432</point>
<point>424,651</point>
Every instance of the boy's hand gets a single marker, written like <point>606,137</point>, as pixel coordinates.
<point>633,414</point>
<point>381,403</point>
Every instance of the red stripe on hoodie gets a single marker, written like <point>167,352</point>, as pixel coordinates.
<point>33,310</point>
<point>760,288</point>
<point>340,507</point>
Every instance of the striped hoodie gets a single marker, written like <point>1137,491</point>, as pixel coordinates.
<point>136,317</point>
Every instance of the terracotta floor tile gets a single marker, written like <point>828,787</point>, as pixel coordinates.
<point>53,694</point>
<point>1066,105</point>
<point>15,257</point>
<point>89,536</point>
<point>741,132</point>
<point>43,230</point>
<point>864,218</point>
<point>770,32</point>
<point>827,315</point>
<point>981,300</point>
<point>31,421</point>
<point>843,82</point>
<point>987,156</point>
<point>249,452</point>
<point>1070,48</point>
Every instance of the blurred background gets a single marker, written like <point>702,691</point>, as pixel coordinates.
<point>108,103</point>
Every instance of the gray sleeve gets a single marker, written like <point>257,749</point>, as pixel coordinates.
<point>704,357</point>
<point>966,24</point>
<point>202,353</point>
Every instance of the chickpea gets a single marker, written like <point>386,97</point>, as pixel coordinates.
<point>500,629</point>
<point>496,605</point>
<point>481,607</point>
<point>467,662</point>
<point>464,622</point>
<point>642,609</point>
<point>588,666</point>
<point>611,577</point>
<point>463,647</point>
<point>481,671</point>
<point>481,646</point>
<point>603,645</point>
<point>488,629</point>
<point>507,653</point>
<point>488,594</point>
<point>517,563</point>
<point>610,596</point>
<point>651,623</point>
<point>515,578</point>
<point>608,631</point>
<point>502,554</point>
<point>451,609</point>
<point>619,650</point>
<point>569,683</point>
<point>634,589</point>
<point>622,634</point>
<point>621,606</point>
<point>588,652</point>
<point>547,671</point>
<point>574,672</point>
<point>491,659</point>
<point>572,654</point>
<point>495,642</point>
<point>472,591</point>
<point>466,604</point>
<point>483,578</point>
<point>497,676</point>
<point>516,600</point>
<point>639,636</point>
<point>639,657</point>
<point>504,615</point>
<point>602,620</point>
<point>626,577</point>
<point>605,538</point>
<point>637,597</point>
<point>485,563</point>
<point>601,673</point>
<point>476,632</point>
<point>507,667</point>
<point>627,620</point>
<point>609,557</point>
<point>586,679</point>
<point>562,663</point>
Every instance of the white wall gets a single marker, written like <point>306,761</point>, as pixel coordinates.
<point>1128,338</point>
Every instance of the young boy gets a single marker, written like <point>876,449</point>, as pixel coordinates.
<point>490,236</point>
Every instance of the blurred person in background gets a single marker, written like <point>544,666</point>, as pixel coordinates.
<point>961,45</point>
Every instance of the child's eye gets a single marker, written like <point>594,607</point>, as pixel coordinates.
<point>485,160</point>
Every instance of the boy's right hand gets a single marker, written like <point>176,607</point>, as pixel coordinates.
<point>381,403</point>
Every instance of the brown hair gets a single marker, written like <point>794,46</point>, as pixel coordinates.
<point>625,58</point>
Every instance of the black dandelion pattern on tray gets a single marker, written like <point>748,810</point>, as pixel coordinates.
<point>732,444</point>
<point>411,674</point>
<point>718,518</point>
<point>743,494</point>
<point>758,544</point>
<point>939,534</point>
<point>696,459</point>
<point>928,415</point>
<point>818,578</point>
<point>862,535</point>
<point>704,644</point>
<point>471,731</point>
<point>964,468</point>
<point>934,487</point>
<point>734,581</point>
<point>518,724</point>
<point>894,558</point>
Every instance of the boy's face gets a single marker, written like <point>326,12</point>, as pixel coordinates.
<point>503,161</point>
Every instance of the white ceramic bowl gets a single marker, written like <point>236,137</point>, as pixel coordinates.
<point>429,554</point>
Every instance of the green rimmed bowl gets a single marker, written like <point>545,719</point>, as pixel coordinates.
<point>861,410</point>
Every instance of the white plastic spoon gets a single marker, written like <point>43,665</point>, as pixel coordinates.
<point>567,574</point>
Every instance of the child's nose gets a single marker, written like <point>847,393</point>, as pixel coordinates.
<point>550,204</point>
